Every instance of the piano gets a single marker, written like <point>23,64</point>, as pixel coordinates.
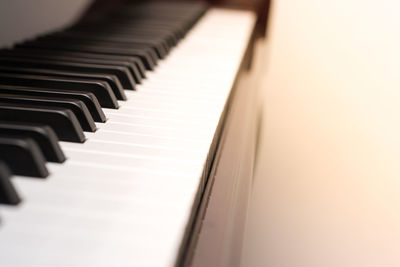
<point>128,137</point>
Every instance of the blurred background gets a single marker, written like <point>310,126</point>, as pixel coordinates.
<point>21,19</point>
<point>327,184</point>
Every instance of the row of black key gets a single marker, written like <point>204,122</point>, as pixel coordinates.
<point>53,88</point>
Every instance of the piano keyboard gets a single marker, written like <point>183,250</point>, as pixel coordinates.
<point>137,118</point>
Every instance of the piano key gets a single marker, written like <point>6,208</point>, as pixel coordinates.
<point>138,67</point>
<point>134,148</point>
<point>171,40</point>
<point>166,39</point>
<point>162,44</point>
<point>145,58</point>
<point>172,32</point>
<point>118,218</point>
<point>111,80</point>
<point>121,72</point>
<point>23,156</point>
<point>158,47</point>
<point>167,164</point>
<point>150,52</point>
<point>72,57</point>
<point>43,135</point>
<point>61,120</point>
<point>88,98</point>
<point>76,106</point>
<point>101,90</point>
<point>150,29</point>
<point>8,194</point>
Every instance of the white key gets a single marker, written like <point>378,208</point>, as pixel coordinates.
<point>124,197</point>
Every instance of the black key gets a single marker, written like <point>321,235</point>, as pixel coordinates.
<point>129,59</point>
<point>138,63</point>
<point>156,46</point>
<point>23,157</point>
<point>170,40</point>
<point>122,73</point>
<point>88,98</point>
<point>146,59</point>
<point>61,120</point>
<point>111,80</point>
<point>146,50</point>
<point>76,106</point>
<point>113,33</point>
<point>91,32</point>
<point>43,135</point>
<point>8,194</point>
<point>101,90</point>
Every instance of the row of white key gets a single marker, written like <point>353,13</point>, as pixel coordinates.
<point>124,197</point>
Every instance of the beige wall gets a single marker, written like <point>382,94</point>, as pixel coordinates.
<point>327,188</point>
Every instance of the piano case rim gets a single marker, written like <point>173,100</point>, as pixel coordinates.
<point>194,225</point>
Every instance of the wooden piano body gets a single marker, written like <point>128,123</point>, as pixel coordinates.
<point>215,231</point>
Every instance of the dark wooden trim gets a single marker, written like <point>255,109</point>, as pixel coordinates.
<point>193,228</point>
